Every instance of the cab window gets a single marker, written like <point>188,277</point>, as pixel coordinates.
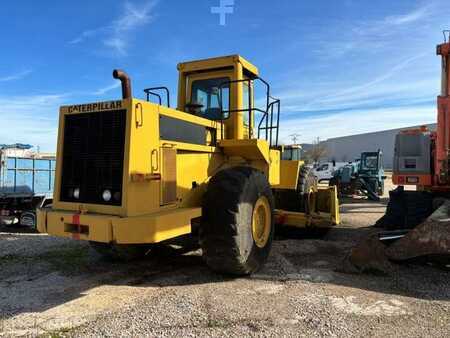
<point>370,162</point>
<point>323,167</point>
<point>287,154</point>
<point>206,94</point>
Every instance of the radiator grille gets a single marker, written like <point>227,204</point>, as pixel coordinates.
<point>93,156</point>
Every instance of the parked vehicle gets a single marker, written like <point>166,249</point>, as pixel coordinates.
<point>325,171</point>
<point>365,176</point>
<point>26,183</point>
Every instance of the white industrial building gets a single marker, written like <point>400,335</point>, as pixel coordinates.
<point>348,148</point>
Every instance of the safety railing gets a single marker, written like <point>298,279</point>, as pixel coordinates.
<point>151,92</point>
<point>268,126</point>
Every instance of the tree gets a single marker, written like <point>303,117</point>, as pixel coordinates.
<point>317,151</point>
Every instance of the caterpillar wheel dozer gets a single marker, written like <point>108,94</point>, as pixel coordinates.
<point>132,173</point>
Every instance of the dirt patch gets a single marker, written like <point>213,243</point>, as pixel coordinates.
<point>62,288</point>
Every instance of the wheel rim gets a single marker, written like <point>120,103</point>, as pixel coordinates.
<point>261,222</point>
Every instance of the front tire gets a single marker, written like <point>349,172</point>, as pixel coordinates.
<point>237,223</point>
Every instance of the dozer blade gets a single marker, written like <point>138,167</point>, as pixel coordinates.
<point>431,238</point>
<point>325,211</point>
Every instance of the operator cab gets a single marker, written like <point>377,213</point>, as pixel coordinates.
<point>222,89</point>
<point>371,162</point>
<point>291,152</point>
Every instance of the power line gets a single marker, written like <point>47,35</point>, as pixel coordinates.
<point>294,137</point>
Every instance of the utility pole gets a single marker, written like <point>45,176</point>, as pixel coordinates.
<point>294,137</point>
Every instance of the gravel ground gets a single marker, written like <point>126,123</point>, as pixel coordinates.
<point>56,287</point>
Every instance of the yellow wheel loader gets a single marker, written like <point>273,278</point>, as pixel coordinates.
<point>131,173</point>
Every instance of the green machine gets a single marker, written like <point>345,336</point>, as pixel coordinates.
<point>364,176</point>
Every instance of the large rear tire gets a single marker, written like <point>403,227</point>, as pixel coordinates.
<point>237,223</point>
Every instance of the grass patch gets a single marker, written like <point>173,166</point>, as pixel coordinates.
<point>61,333</point>
<point>70,260</point>
<point>67,260</point>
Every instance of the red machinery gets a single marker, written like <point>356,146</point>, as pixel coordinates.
<point>422,157</point>
<point>418,220</point>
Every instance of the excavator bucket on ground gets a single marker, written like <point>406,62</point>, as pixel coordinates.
<point>431,238</point>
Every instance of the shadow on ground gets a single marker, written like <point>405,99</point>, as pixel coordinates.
<point>64,273</point>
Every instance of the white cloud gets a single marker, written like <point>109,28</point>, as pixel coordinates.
<point>86,35</point>
<point>16,76</point>
<point>411,17</point>
<point>117,34</point>
<point>106,89</point>
<point>30,119</point>
<point>391,85</point>
<point>371,36</point>
<point>356,122</point>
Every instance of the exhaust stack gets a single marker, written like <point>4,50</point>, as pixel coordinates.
<point>126,82</point>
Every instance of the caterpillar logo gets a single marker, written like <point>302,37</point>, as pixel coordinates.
<point>92,107</point>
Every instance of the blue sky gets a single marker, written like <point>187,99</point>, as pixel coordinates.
<point>340,67</point>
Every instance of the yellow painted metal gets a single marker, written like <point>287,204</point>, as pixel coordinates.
<point>328,202</point>
<point>274,167</point>
<point>301,220</point>
<point>194,172</point>
<point>41,220</point>
<point>189,146</point>
<point>289,172</point>
<point>154,228</point>
<point>144,155</point>
<point>237,117</point>
<point>324,213</point>
<point>60,223</point>
<point>252,149</point>
<point>217,63</point>
<point>261,222</point>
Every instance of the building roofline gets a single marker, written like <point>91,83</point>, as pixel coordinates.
<point>381,131</point>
